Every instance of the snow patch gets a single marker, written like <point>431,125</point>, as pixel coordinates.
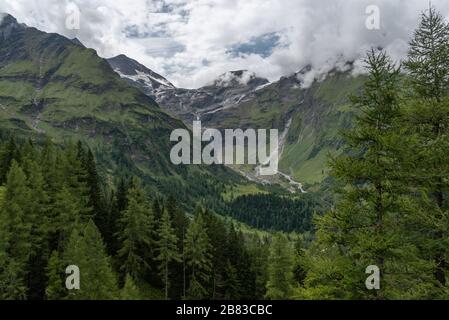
<point>144,78</point>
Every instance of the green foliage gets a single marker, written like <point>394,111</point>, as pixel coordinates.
<point>198,257</point>
<point>427,122</point>
<point>167,249</point>
<point>87,251</point>
<point>137,234</point>
<point>130,290</point>
<point>275,213</point>
<point>280,269</point>
<point>370,221</point>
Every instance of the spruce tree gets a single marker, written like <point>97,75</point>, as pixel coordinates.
<point>130,290</point>
<point>55,268</point>
<point>17,230</point>
<point>87,251</point>
<point>198,258</point>
<point>180,224</point>
<point>280,269</point>
<point>96,196</point>
<point>137,234</point>
<point>428,122</point>
<point>369,225</point>
<point>167,249</point>
<point>10,153</point>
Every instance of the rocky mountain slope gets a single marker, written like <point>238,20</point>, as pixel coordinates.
<point>228,90</point>
<point>51,86</point>
<point>309,119</point>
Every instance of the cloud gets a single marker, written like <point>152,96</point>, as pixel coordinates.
<point>192,42</point>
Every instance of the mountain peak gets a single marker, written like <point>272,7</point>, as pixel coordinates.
<point>8,24</point>
<point>139,75</point>
<point>6,18</point>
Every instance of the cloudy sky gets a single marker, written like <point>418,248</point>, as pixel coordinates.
<point>192,42</point>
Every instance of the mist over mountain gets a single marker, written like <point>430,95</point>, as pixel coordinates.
<point>272,40</point>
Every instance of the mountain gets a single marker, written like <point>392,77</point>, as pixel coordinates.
<point>137,74</point>
<point>309,116</point>
<point>67,91</point>
<point>51,86</point>
<point>225,91</point>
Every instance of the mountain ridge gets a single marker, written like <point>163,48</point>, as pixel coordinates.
<point>309,115</point>
<point>53,87</point>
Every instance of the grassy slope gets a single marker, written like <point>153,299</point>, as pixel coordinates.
<point>315,131</point>
<point>318,114</point>
<point>52,87</point>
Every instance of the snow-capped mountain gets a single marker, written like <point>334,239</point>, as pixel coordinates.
<point>137,74</point>
<point>226,91</point>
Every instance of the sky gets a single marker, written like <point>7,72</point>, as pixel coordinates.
<point>192,42</point>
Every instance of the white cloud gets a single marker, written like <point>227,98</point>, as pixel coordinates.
<point>189,41</point>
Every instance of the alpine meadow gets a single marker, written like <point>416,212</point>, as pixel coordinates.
<point>93,205</point>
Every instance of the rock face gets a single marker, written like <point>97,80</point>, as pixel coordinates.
<point>140,76</point>
<point>227,91</point>
<point>54,87</point>
<point>310,113</point>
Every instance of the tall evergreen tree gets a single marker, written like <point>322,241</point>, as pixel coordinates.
<point>198,258</point>
<point>87,251</point>
<point>428,122</point>
<point>130,290</point>
<point>96,196</point>
<point>180,224</point>
<point>10,153</point>
<point>369,224</point>
<point>17,230</point>
<point>137,234</point>
<point>280,269</point>
<point>167,249</point>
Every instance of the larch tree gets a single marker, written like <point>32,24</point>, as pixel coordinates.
<point>167,249</point>
<point>428,121</point>
<point>198,258</point>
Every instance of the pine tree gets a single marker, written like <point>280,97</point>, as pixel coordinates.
<point>37,213</point>
<point>86,250</point>
<point>66,215</point>
<point>198,258</point>
<point>299,272</point>
<point>280,269</point>
<point>369,225</point>
<point>167,249</point>
<point>74,176</point>
<point>180,224</point>
<point>17,228</point>
<point>218,237</point>
<point>130,290</point>
<point>119,204</point>
<point>137,234</point>
<point>428,122</point>
<point>10,153</point>
<point>428,57</point>
<point>96,197</point>
<point>232,287</point>
<point>259,251</point>
<point>55,289</point>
